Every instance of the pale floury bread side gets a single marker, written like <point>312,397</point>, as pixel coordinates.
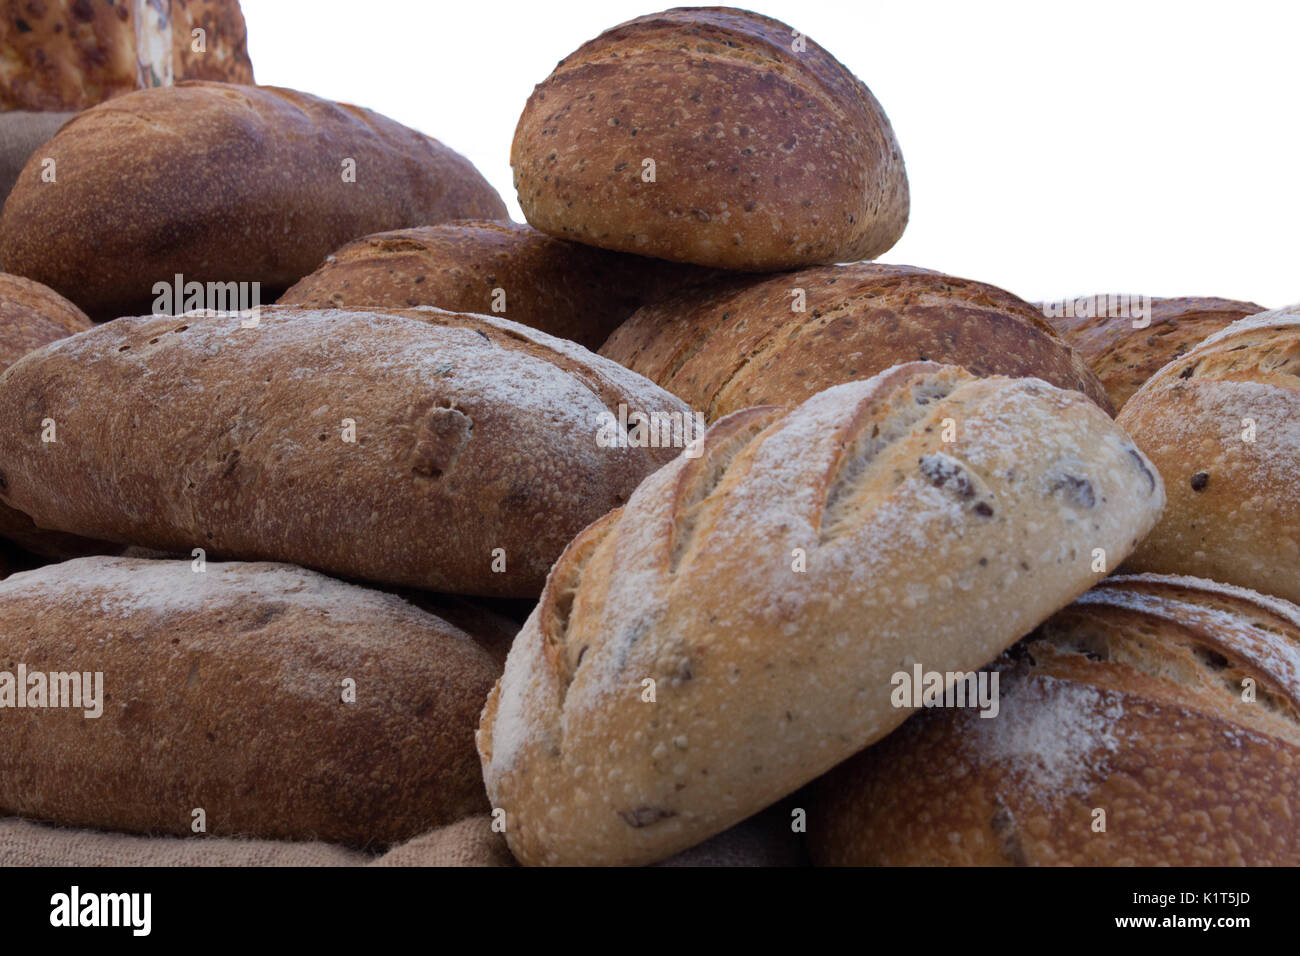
<point>770,588</point>
<point>1153,722</point>
<point>1222,424</point>
<point>226,690</point>
<point>715,136</point>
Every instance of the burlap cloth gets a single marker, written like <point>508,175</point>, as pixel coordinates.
<point>20,134</point>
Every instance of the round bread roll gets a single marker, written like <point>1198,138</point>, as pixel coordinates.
<point>1124,357</point>
<point>423,448</point>
<point>499,268</point>
<point>1153,722</point>
<point>729,635</point>
<point>715,136</point>
<point>735,343</point>
<point>1222,424</point>
<point>281,703</point>
<point>219,183</point>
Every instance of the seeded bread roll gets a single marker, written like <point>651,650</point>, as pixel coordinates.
<point>735,343</point>
<point>1131,702</point>
<point>221,183</point>
<point>769,588</point>
<point>1222,424</point>
<point>715,136</point>
<point>576,292</point>
<point>430,449</point>
<point>228,691</point>
<point>1124,357</point>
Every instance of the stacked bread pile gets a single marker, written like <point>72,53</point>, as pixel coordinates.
<point>398,570</point>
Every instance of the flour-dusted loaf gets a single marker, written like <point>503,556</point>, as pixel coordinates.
<point>1123,356</point>
<point>72,54</point>
<point>423,448</point>
<point>735,343</point>
<point>221,183</point>
<point>227,690</point>
<point>711,135</point>
<point>1154,722</point>
<point>501,268</point>
<point>1222,424</point>
<point>770,587</point>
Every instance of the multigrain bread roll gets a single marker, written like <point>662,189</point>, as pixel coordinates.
<point>1222,424</point>
<point>221,183</point>
<point>21,134</point>
<point>72,54</point>
<point>281,703</point>
<point>764,592</point>
<point>1151,723</point>
<point>735,343</point>
<point>715,136</point>
<point>423,448</point>
<point>1124,357</point>
<point>500,268</point>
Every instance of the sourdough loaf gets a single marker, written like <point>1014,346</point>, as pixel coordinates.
<point>735,343</point>
<point>711,135</point>
<point>574,291</point>
<point>1222,424</point>
<point>764,592</point>
<point>71,54</point>
<point>221,183</point>
<point>1126,735</point>
<point>1124,357</point>
<point>226,691</point>
<point>422,448</point>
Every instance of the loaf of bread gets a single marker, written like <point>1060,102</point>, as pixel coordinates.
<point>72,54</point>
<point>715,136</point>
<point>1154,722</point>
<point>21,134</point>
<point>1124,357</point>
<point>735,343</point>
<point>280,703</point>
<point>730,634</point>
<point>500,268</point>
<point>1222,425</point>
<point>422,448</point>
<point>220,183</point>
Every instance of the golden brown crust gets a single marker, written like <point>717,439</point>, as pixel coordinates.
<point>225,37</point>
<point>1124,357</point>
<point>225,691</point>
<point>738,342</point>
<point>1129,701</point>
<point>766,157</point>
<point>1222,424</point>
<point>254,190</point>
<point>576,292</point>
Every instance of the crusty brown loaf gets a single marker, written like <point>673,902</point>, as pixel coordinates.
<point>574,291</point>
<point>1124,357</point>
<point>915,550</point>
<point>224,691</point>
<point>1128,701</point>
<point>765,157</point>
<point>221,183</point>
<point>738,342</point>
<point>72,54</point>
<point>1234,505</point>
<point>472,434</point>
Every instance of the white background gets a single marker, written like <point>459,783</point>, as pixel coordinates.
<point>1055,150</point>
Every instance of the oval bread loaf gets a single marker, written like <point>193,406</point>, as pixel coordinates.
<point>1131,701</point>
<point>715,136</point>
<point>424,448</point>
<point>500,268</point>
<point>1222,424</point>
<point>735,343</point>
<point>226,691</point>
<point>729,635</point>
<point>221,183</point>
<point>1124,357</point>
